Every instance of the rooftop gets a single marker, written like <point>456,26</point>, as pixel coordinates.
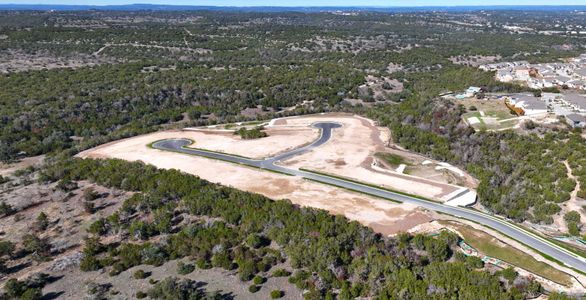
<point>576,99</point>
<point>576,118</point>
<point>529,102</point>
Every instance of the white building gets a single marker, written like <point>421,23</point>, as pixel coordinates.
<point>528,105</point>
<point>521,73</point>
<point>576,120</point>
<point>504,76</point>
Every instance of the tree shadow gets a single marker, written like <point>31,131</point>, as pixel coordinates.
<point>18,267</point>
<point>52,295</point>
<point>223,296</point>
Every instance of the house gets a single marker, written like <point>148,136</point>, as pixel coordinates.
<point>470,92</point>
<point>549,98</point>
<point>576,101</point>
<point>521,73</point>
<point>473,90</point>
<point>561,80</point>
<point>504,76</point>
<point>527,105</point>
<point>581,72</point>
<point>576,120</point>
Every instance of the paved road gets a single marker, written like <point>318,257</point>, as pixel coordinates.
<point>507,228</point>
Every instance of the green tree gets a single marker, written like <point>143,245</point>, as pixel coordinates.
<point>42,222</point>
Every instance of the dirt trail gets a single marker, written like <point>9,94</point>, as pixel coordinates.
<point>169,48</point>
<point>574,203</point>
<point>100,50</point>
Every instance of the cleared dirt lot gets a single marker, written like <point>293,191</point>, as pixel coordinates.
<point>383,216</point>
<point>350,154</point>
<point>279,140</point>
<point>7,169</point>
<point>380,214</point>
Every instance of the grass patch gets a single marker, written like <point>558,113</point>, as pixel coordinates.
<point>500,115</point>
<point>391,158</point>
<point>488,245</point>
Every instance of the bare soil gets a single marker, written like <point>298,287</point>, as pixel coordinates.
<point>8,169</point>
<point>68,223</point>
<point>383,216</point>
<point>14,60</point>
<point>125,286</point>
<point>355,144</point>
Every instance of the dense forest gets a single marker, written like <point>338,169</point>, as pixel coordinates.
<point>331,256</point>
<point>209,67</point>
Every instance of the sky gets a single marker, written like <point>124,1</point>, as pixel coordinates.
<point>307,2</point>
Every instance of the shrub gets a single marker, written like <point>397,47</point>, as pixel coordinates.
<point>203,264</point>
<point>6,209</point>
<point>249,134</point>
<point>141,274</point>
<point>572,216</point>
<point>32,294</point>
<point>42,222</point>
<point>66,185</point>
<point>140,295</point>
<point>172,288</point>
<point>16,289</point>
<point>257,241</point>
<point>276,294</point>
<point>89,263</point>
<point>6,248</point>
<point>97,291</point>
<point>253,288</point>
<point>222,260</point>
<point>474,262</point>
<point>89,194</point>
<point>281,273</point>
<point>184,269</point>
<point>258,279</point>
<point>34,244</point>
<point>573,229</point>
<point>509,274</point>
<point>247,270</point>
<point>98,227</point>
<point>299,278</point>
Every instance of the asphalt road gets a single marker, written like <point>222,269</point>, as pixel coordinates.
<point>532,240</point>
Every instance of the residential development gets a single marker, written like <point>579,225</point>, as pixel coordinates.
<point>569,74</point>
<point>565,99</point>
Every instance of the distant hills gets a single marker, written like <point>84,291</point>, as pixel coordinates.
<point>157,7</point>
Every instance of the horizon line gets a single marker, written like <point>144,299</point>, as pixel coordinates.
<point>300,6</point>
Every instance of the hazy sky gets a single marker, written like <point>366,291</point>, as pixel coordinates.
<point>309,2</point>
